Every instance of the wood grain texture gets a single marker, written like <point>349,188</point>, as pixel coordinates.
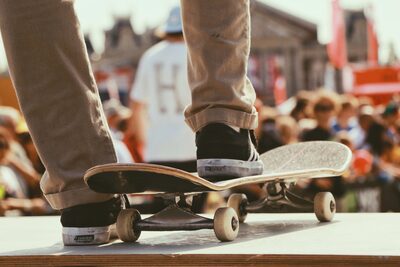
<point>200,260</point>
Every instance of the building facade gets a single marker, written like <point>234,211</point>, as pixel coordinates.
<point>285,52</point>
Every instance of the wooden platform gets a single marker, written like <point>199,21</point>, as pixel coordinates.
<point>266,239</point>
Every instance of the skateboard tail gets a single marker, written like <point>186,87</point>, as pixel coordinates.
<point>126,181</point>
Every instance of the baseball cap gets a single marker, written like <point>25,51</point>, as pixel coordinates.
<point>173,24</point>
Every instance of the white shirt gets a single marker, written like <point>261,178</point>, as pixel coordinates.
<point>123,154</point>
<point>162,84</point>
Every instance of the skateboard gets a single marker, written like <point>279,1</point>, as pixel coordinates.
<point>283,166</point>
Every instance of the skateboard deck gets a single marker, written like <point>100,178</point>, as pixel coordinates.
<point>282,165</point>
<point>291,162</point>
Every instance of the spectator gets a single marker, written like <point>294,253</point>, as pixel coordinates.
<point>159,96</point>
<point>302,109</point>
<point>381,145</point>
<point>287,129</point>
<point>117,117</point>
<point>325,108</point>
<point>18,183</point>
<point>10,118</point>
<point>346,118</point>
<point>268,133</point>
<point>365,119</point>
<point>26,141</point>
<point>376,139</point>
<point>390,117</point>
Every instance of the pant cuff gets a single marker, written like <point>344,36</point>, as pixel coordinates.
<point>75,197</point>
<point>232,117</point>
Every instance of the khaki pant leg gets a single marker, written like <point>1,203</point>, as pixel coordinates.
<point>50,70</point>
<point>217,33</point>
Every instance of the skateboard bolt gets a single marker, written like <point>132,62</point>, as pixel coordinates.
<point>235,224</point>
<point>332,206</point>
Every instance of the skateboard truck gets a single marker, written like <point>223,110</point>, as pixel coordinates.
<point>278,197</point>
<point>177,217</point>
<point>174,218</point>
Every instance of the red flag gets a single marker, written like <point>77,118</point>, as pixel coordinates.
<point>280,90</point>
<point>373,45</point>
<point>337,50</point>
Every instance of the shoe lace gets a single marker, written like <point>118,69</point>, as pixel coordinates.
<point>253,138</point>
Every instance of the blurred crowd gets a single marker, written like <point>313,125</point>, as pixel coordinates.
<point>372,132</point>
<point>20,168</point>
<point>152,129</point>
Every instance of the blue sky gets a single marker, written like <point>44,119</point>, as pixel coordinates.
<point>98,15</point>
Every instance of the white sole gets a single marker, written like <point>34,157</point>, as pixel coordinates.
<point>228,167</point>
<point>84,236</point>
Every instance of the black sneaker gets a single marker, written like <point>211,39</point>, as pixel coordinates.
<point>224,153</point>
<point>90,224</point>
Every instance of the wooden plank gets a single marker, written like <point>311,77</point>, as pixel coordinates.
<point>267,239</point>
<point>199,260</point>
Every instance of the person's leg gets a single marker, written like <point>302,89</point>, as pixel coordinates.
<point>50,70</point>
<point>217,34</point>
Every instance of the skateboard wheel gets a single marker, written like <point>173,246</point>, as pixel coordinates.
<point>126,225</point>
<point>226,224</point>
<point>238,202</point>
<point>324,206</point>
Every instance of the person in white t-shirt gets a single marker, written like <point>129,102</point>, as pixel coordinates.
<point>159,96</point>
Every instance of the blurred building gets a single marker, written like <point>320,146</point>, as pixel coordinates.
<point>123,46</point>
<point>285,52</point>
<point>115,68</point>
<point>356,35</point>
<point>287,46</point>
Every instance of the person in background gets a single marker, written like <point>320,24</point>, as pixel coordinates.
<point>268,136</point>
<point>287,129</point>
<point>276,130</point>
<point>346,119</point>
<point>365,119</point>
<point>10,118</point>
<point>19,183</point>
<point>159,96</point>
<point>26,142</point>
<point>117,116</point>
<point>325,109</point>
<point>382,147</point>
<point>390,118</point>
<point>302,108</point>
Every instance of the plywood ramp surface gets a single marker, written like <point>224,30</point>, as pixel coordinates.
<point>266,239</point>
